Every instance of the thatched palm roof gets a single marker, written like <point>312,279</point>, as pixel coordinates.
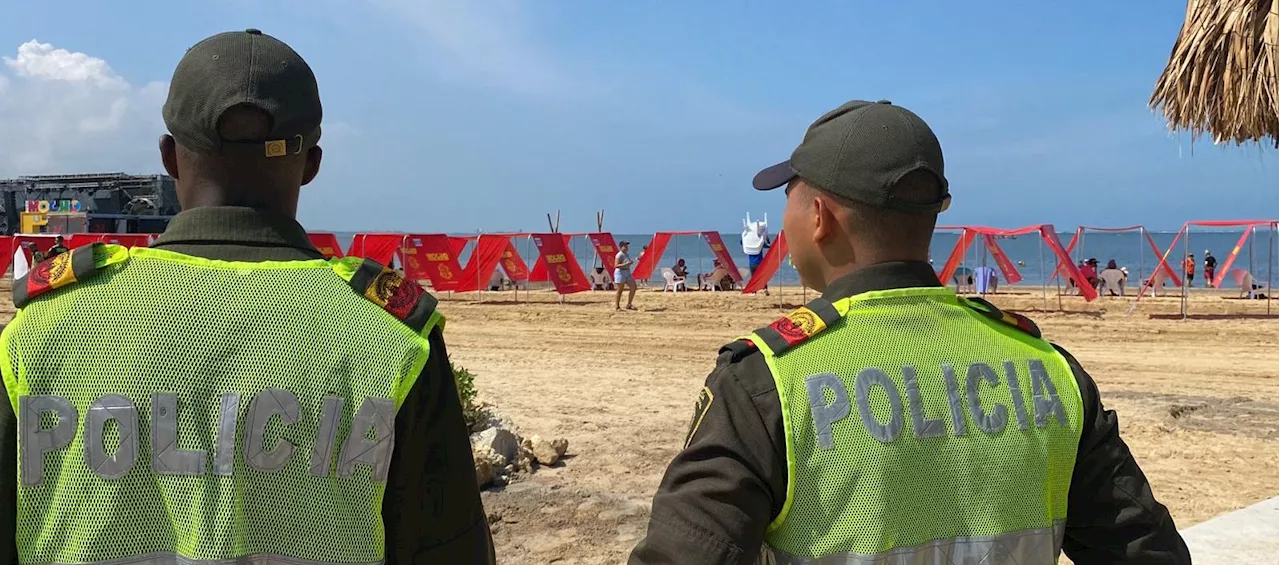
<point>1221,76</point>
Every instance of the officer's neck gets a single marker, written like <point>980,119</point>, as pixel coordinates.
<point>203,193</point>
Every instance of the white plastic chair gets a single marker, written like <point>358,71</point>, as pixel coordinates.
<point>674,283</point>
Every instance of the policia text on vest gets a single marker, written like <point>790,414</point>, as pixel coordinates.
<point>370,441</point>
<point>827,413</point>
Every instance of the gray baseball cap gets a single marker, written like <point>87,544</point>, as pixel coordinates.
<point>243,67</point>
<point>860,151</point>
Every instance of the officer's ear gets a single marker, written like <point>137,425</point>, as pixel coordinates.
<point>825,219</point>
<point>169,155</point>
<point>312,166</point>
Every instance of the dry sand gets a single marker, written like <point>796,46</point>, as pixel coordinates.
<point>1197,400</point>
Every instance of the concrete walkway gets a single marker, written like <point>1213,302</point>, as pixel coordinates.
<point>1245,537</point>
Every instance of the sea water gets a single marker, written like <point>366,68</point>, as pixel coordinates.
<point>1034,259</point>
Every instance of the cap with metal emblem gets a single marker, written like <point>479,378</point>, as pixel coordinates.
<point>243,67</point>
<point>860,151</point>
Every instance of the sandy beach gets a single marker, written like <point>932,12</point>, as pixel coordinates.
<point>1197,400</point>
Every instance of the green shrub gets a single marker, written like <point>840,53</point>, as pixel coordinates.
<point>466,382</point>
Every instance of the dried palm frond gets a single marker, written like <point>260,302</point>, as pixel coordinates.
<point>1221,76</point>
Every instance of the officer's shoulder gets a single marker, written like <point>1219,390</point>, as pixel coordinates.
<point>400,297</point>
<point>1011,319</point>
<point>799,325</point>
<point>65,269</point>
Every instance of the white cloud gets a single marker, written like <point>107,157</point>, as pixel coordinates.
<point>69,112</point>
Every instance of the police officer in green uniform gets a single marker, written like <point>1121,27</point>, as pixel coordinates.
<point>890,421</point>
<point>228,395</point>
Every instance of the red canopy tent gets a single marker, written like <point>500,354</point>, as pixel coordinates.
<point>326,243</point>
<point>6,253</point>
<point>649,261</point>
<point>1224,270</point>
<point>969,233</point>
<point>381,247</point>
<point>768,265</point>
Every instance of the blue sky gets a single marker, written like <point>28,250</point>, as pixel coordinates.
<point>462,115</point>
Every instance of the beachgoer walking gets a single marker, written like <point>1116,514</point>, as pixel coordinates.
<point>1210,267</point>
<point>622,277</point>
<point>890,421</point>
<point>299,410</point>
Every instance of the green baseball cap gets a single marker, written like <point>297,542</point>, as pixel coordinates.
<point>860,151</point>
<point>243,67</point>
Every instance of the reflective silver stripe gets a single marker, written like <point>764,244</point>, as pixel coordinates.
<point>1027,547</point>
<point>172,559</point>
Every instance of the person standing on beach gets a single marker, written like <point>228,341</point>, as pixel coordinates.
<point>1210,266</point>
<point>232,396</point>
<point>622,277</point>
<point>1189,267</point>
<point>59,247</point>
<point>890,421</point>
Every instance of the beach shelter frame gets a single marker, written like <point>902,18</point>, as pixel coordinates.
<point>1076,248</point>
<point>1048,237</point>
<point>658,245</point>
<point>1250,228</point>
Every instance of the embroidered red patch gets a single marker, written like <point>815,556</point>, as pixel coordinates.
<point>790,331</point>
<point>401,302</point>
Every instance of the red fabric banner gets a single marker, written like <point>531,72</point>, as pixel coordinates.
<point>562,266</point>
<point>484,259</point>
<point>458,244</point>
<point>606,248</point>
<point>646,263</point>
<point>716,243</point>
<point>768,265</point>
<point>1231,258</point>
<point>430,257</point>
<point>514,264</point>
<point>539,272</point>
<point>1051,237</point>
<point>326,243</point>
<point>1164,264</point>
<point>957,255</point>
<point>6,248</point>
<point>1231,223</point>
<point>381,247</point>
<point>1011,274</point>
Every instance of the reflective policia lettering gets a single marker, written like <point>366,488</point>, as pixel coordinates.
<point>829,402</point>
<point>369,442</point>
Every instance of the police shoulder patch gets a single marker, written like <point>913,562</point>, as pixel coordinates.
<point>56,272</point>
<point>990,310</point>
<point>404,299</point>
<point>801,324</point>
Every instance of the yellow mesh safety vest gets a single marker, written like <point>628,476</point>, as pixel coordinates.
<point>920,430</point>
<point>173,409</point>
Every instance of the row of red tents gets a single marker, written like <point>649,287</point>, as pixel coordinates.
<point>435,258</point>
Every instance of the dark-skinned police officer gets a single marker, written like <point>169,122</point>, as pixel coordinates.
<point>228,395</point>
<point>890,421</point>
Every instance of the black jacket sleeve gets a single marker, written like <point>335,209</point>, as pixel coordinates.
<point>722,490</point>
<point>432,508</point>
<point>8,480</point>
<point>1112,516</point>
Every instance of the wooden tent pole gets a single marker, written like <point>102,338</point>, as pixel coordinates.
<point>1271,237</point>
